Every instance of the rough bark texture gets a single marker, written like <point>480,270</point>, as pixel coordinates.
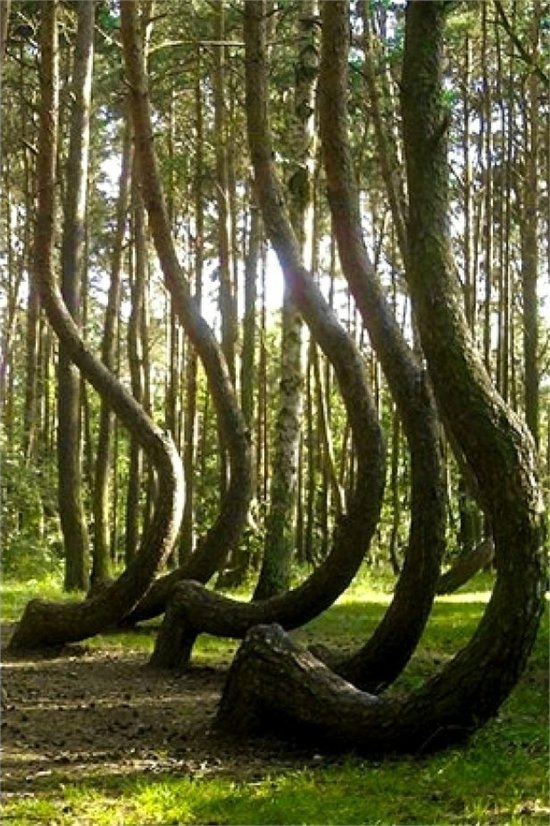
<point>272,679</point>
<point>227,529</point>
<point>280,521</point>
<point>397,635</point>
<point>192,609</point>
<point>46,623</point>
<point>494,442</point>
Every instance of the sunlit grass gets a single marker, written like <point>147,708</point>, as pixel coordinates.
<point>15,595</point>
<point>498,777</point>
<point>482,783</point>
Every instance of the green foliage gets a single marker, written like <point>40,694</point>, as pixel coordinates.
<point>17,592</point>
<point>107,19</point>
<point>31,545</point>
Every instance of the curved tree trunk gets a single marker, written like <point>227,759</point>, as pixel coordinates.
<point>46,623</point>
<point>396,637</point>
<point>271,678</point>
<point>466,566</point>
<point>228,527</point>
<point>192,609</point>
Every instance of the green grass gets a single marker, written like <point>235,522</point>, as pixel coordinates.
<point>499,776</point>
<point>15,595</point>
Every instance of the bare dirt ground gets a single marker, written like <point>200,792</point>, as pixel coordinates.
<point>85,711</point>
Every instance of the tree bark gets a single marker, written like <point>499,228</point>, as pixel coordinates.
<point>228,527</point>
<point>192,609</point>
<point>189,435</point>
<point>226,298</point>
<point>466,566</point>
<point>271,679</point>
<point>387,139</point>
<point>45,623</point>
<point>69,441</point>
<point>529,242</point>
<point>280,522</point>
<point>248,362</point>
<point>397,636</point>
<point>136,364</point>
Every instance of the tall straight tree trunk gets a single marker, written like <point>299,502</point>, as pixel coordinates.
<point>470,281</point>
<point>529,241</point>
<point>189,435</point>
<point>280,523</point>
<point>32,341</point>
<point>227,297</point>
<point>46,623</point>
<point>248,360</point>
<point>487,129</point>
<point>262,462</point>
<point>69,456</point>
<point>240,559</point>
<point>101,564</point>
<point>386,139</point>
<point>137,372</point>
<point>14,281</point>
<point>329,463</point>
<point>30,407</point>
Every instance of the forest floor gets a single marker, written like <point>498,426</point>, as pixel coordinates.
<point>98,712</point>
<point>92,737</point>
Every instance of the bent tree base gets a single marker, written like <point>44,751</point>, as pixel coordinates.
<point>44,623</point>
<point>277,686</point>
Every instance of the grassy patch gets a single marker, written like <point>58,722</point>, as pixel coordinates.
<point>16,594</point>
<point>483,783</point>
<point>500,776</point>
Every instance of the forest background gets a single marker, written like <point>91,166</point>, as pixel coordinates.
<point>79,493</point>
<point>499,187</point>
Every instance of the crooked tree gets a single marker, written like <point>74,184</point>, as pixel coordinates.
<point>193,609</point>
<point>396,637</point>
<point>46,623</point>
<point>227,528</point>
<point>272,682</point>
